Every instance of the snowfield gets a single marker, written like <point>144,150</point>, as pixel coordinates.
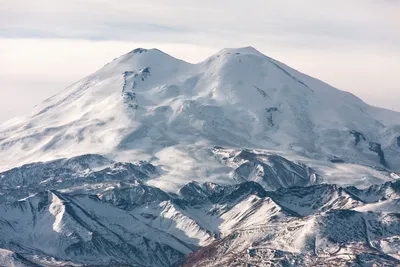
<point>147,101</point>
<point>238,160</point>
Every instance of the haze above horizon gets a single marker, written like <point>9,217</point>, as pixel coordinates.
<point>47,45</point>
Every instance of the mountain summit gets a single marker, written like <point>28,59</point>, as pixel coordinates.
<point>147,102</point>
<point>238,160</point>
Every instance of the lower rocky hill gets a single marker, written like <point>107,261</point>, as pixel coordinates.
<point>90,211</point>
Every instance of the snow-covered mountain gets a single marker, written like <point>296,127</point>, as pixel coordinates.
<point>238,160</point>
<point>147,101</point>
<point>139,225</point>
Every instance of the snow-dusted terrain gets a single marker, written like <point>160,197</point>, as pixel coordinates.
<point>236,160</point>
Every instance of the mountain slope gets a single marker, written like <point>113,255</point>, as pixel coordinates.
<point>147,101</point>
<point>82,229</point>
<point>138,225</point>
<point>238,160</point>
<point>337,238</point>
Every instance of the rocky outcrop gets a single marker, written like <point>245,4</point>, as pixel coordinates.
<point>375,193</point>
<point>335,238</point>
<point>335,159</point>
<point>83,229</point>
<point>377,148</point>
<point>131,80</point>
<point>270,112</point>
<point>372,146</point>
<point>270,170</point>
<point>124,222</point>
<point>357,137</point>
<point>138,51</point>
<point>85,171</point>
<point>128,197</point>
<point>196,193</point>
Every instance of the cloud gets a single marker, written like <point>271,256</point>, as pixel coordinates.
<point>309,22</point>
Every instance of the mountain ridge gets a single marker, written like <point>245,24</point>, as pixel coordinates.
<point>92,227</point>
<point>237,160</point>
<point>146,105</point>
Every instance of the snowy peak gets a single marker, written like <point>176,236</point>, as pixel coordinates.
<point>140,58</point>
<point>147,100</point>
<point>116,151</point>
<point>249,50</point>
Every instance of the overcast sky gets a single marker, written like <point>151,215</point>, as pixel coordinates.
<point>46,45</point>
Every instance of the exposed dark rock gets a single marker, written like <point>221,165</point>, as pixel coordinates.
<point>341,229</point>
<point>308,200</point>
<point>270,112</point>
<point>336,160</point>
<point>273,109</point>
<point>398,141</point>
<point>237,192</point>
<point>357,136</point>
<point>111,243</point>
<point>374,193</point>
<point>130,197</point>
<point>274,171</point>
<point>85,170</point>
<point>138,51</point>
<point>146,70</point>
<point>130,82</point>
<point>270,170</point>
<point>196,193</point>
<point>262,92</point>
<point>129,96</point>
<point>375,147</point>
<point>109,239</point>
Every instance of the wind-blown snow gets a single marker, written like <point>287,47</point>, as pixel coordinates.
<point>241,155</point>
<point>146,103</point>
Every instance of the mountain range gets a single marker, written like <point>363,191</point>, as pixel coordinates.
<point>238,160</point>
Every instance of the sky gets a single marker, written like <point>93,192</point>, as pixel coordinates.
<point>45,45</point>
